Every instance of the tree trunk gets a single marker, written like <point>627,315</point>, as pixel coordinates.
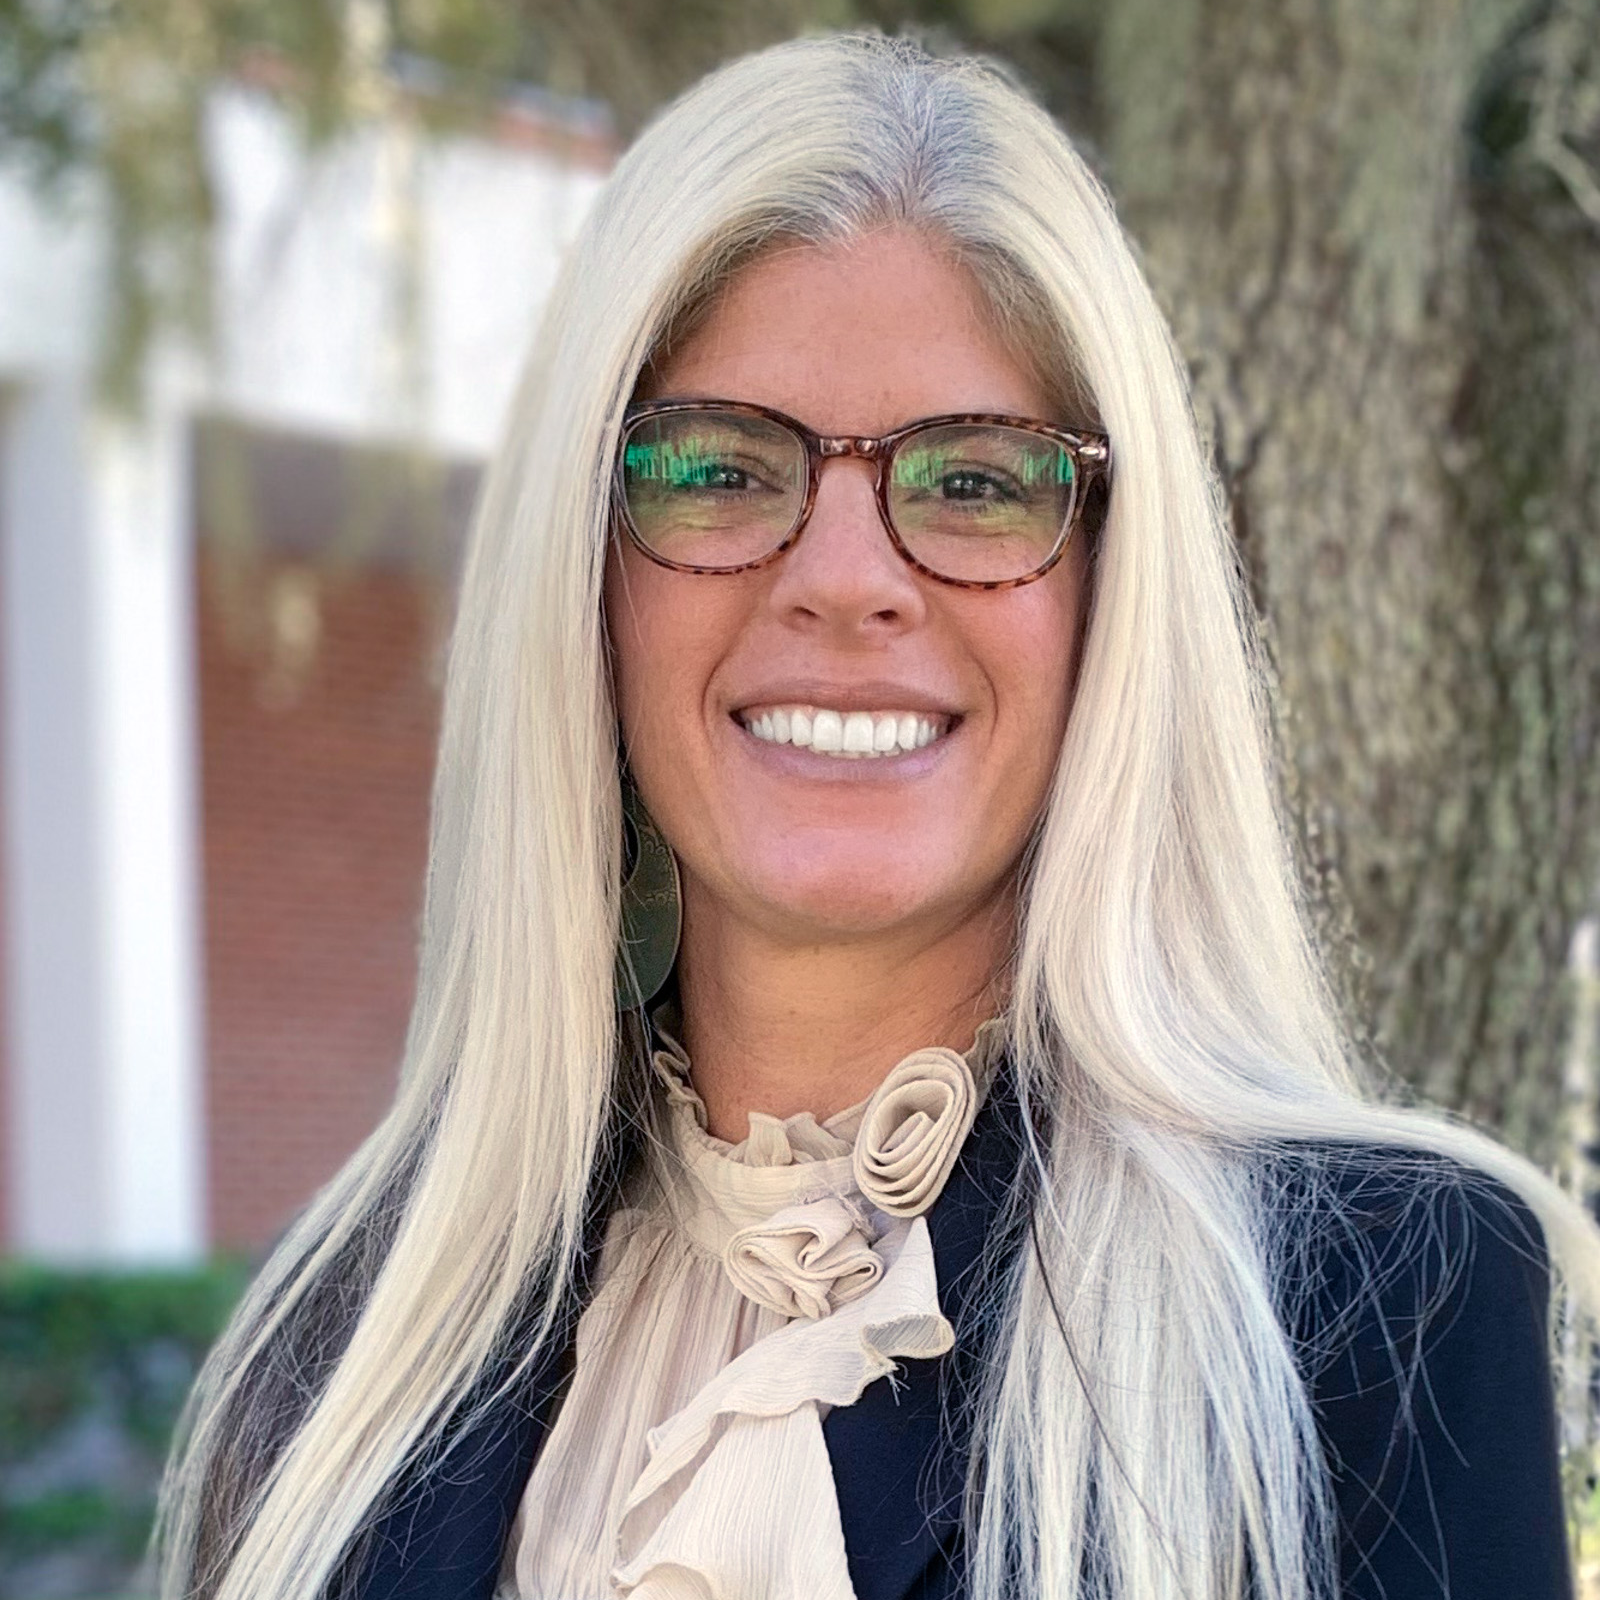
<point>1392,307</point>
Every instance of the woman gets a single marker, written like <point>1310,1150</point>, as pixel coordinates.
<point>988,1202</point>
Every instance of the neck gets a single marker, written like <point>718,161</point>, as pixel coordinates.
<point>785,1027</point>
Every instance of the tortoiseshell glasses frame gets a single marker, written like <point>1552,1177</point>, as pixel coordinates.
<point>1089,451</point>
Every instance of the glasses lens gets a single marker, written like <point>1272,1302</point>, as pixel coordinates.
<point>982,502</point>
<point>710,488</point>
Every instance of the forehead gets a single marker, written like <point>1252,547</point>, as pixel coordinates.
<point>860,336</point>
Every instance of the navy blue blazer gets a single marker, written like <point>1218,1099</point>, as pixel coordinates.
<point>1445,1487</point>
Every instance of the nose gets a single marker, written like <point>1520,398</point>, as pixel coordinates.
<point>843,575</point>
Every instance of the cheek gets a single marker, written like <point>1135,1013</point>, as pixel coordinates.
<point>1035,648</point>
<point>642,650</point>
<point>665,631</point>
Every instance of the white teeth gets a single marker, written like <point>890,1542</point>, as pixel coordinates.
<point>852,736</point>
<point>827,731</point>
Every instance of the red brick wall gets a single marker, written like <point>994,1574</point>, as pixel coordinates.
<point>315,805</point>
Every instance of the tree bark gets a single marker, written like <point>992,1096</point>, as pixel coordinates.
<point>1392,309</point>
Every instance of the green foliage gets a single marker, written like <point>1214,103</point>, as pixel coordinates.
<point>74,1518</point>
<point>62,1334</point>
<point>116,1352</point>
<point>44,119</point>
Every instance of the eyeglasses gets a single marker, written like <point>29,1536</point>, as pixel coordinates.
<point>983,501</point>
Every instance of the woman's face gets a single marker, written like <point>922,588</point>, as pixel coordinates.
<point>802,846</point>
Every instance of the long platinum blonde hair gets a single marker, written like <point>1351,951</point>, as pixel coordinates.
<point>1168,1009</point>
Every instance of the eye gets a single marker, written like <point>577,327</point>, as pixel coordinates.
<point>969,484</point>
<point>718,475</point>
<point>930,473</point>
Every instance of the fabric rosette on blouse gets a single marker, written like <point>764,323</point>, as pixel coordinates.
<point>812,1258</point>
<point>913,1130</point>
<point>756,1286</point>
<point>805,1262</point>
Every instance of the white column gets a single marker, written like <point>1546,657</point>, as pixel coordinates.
<point>101,873</point>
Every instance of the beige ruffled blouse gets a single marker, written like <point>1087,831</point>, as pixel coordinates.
<point>748,1289</point>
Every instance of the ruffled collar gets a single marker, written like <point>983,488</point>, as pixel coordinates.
<point>779,1141</point>
<point>796,1210</point>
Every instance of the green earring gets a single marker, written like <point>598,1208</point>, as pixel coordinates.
<point>652,907</point>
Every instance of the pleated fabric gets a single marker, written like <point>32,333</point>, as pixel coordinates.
<point>745,1291</point>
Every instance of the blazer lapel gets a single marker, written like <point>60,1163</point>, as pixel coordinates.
<point>442,1538</point>
<point>900,1453</point>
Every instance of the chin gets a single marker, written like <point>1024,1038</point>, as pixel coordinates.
<point>853,897</point>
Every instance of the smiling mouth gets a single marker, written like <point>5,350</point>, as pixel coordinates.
<point>849,735</point>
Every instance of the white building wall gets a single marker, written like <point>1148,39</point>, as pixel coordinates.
<point>315,260</point>
<point>101,868</point>
<point>382,293</point>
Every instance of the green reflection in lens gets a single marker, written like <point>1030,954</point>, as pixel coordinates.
<point>670,463</point>
<point>927,466</point>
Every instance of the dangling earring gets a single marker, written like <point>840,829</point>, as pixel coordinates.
<point>652,906</point>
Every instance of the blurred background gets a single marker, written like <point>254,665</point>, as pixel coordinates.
<point>267,271</point>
